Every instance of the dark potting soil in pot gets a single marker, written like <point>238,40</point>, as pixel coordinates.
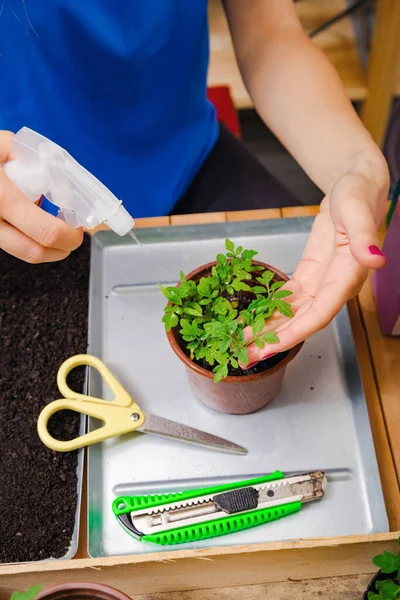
<point>43,321</point>
<point>261,366</point>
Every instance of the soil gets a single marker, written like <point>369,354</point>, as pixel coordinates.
<point>263,365</point>
<point>43,321</point>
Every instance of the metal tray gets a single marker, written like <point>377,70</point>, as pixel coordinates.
<point>319,420</point>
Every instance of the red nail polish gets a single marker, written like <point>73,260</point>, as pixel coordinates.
<point>268,356</point>
<point>253,364</point>
<point>376,251</point>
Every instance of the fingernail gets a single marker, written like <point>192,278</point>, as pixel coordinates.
<point>376,251</point>
<point>251,365</point>
<point>268,356</point>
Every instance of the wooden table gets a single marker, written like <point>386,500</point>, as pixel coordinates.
<point>375,87</point>
<point>288,574</point>
<point>382,386</point>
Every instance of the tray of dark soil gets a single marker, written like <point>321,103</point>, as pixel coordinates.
<point>316,420</point>
<point>43,321</point>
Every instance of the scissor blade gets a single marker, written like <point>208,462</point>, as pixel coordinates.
<point>170,429</point>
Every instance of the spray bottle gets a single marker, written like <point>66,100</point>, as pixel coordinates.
<point>42,168</point>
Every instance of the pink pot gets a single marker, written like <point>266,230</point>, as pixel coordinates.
<point>238,394</point>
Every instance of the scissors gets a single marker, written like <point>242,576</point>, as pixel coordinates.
<point>120,415</point>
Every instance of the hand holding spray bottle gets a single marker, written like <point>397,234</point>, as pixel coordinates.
<point>42,168</point>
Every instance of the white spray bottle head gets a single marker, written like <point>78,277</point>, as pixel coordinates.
<point>42,168</point>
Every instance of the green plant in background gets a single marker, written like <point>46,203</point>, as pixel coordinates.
<point>389,589</point>
<point>213,313</point>
<point>28,595</point>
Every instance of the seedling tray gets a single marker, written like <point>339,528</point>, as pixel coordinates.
<point>319,420</point>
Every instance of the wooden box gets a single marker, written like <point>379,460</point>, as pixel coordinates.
<point>262,563</point>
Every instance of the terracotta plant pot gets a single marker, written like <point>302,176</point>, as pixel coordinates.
<point>80,591</point>
<point>235,394</point>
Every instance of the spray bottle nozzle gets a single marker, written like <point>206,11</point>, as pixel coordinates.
<point>42,168</point>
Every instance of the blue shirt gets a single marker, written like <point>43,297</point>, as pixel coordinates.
<point>120,84</point>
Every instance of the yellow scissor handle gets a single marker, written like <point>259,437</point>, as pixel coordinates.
<point>117,420</point>
<point>121,396</point>
<point>119,415</point>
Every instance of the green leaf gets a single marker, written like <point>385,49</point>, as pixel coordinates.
<point>258,289</point>
<point>220,372</point>
<point>258,326</point>
<point>230,290</point>
<point>266,278</point>
<point>204,287</point>
<point>246,317</point>
<point>239,249</point>
<point>221,306</point>
<point>232,324</point>
<point>249,254</point>
<point>192,312</point>
<point>182,277</point>
<point>221,259</point>
<point>247,266</point>
<point>234,363</point>
<point>170,320</point>
<point>224,345</point>
<point>30,594</point>
<point>171,294</point>
<point>284,308</point>
<point>214,329</point>
<point>243,356</point>
<point>189,330</point>
<point>259,343</point>
<point>240,285</point>
<point>231,315</point>
<point>270,337</point>
<point>387,562</point>
<point>241,273</point>
<point>282,294</point>
<point>229,245</point>
<point>259,305</point>
<point>277,285</point>
<point>388,589</point>
<point>192,345</point>
<point>193,308</point>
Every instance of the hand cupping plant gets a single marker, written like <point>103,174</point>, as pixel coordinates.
<point>213,312</point>
<point>387,589</point>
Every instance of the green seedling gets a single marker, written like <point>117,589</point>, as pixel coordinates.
<point>28,595</point>
<point>213,313</point>
<point>388,589</point>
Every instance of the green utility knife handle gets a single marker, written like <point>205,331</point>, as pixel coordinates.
<point>128,504</point>
<point>222,526</point>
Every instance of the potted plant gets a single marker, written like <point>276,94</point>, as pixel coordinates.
<point>214,314</point>
<point>386,583</point>
<point>71,591</point>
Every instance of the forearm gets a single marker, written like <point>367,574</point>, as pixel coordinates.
<point>300,97</point>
